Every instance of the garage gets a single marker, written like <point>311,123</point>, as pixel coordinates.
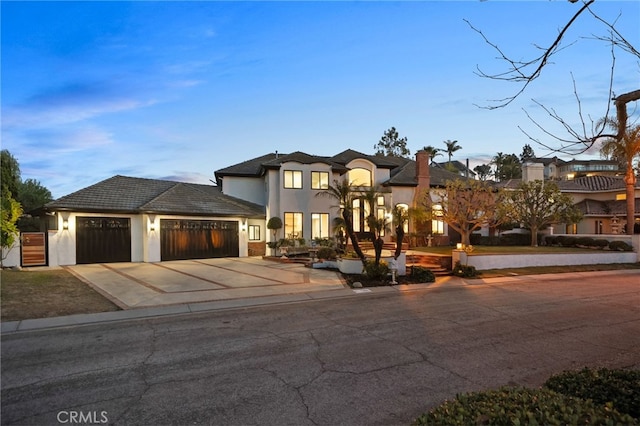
<point>103,239</point>
<point>198,239</point>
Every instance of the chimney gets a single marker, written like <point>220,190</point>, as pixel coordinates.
<point>422,170</point>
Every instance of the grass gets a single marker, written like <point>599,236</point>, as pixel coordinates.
<point>47,293</point>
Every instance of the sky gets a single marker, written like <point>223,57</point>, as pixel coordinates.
<point>178,90</point>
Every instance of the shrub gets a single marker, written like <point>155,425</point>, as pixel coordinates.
<point>600,243</point>
<point>376,272</point>
<point>465,271</point>
<point>509,406</point>
<point>551,240</point>
<point>621,388</point>
<point>422,274</point>
<point>515,239</point>
<point>585,241</point>
<point>324,242</point>
<point>566,241</point>
<point>326,253</point>
<point>619,246</point>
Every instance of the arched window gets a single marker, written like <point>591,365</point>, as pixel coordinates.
<point>360,177</point>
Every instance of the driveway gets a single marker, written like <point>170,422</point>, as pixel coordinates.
<point>136,285</point>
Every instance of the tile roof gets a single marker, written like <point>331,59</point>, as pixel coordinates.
<point>590,207</point>
<point>381,161</point>
<point>124,194</point>
<point>406,175</point>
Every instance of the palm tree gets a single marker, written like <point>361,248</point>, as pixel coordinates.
<point>452,146</point>
<point>432,151</point>
<point>625,150</point>
<point>376,225</point>
<point>342,192</point>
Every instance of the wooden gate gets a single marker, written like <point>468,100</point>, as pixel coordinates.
<point>33,249</point>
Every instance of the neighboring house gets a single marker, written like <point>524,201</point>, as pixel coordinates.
<point>126,219</point>
<point>599,193</point>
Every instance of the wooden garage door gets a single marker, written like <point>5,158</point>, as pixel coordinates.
<point>198,239</point>
<point>103,239</point>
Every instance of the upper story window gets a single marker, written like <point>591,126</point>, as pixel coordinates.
<point>360,177</point>
<point>319,180</point>
<point>293,179</point>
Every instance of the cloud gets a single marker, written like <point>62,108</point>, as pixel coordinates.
<point>70,103</point>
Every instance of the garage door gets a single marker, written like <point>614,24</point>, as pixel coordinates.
<point>198,239</point>
<point>103,239</point>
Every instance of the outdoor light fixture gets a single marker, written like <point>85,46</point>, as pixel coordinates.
<point>152,223</point>
<point>65,224</point>
<point>459,246</point>
<point>244,224</point>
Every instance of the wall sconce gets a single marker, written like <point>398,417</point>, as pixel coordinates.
<point>244,224</point>
<point>65,224</point>
<point>152,223</point>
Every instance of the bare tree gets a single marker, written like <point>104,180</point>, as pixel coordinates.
<point>576,140</point>
<point>525,71</point>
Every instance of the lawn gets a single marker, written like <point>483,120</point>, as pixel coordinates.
<point>47,293</point>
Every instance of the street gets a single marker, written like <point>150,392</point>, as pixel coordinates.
<point>366,359</point>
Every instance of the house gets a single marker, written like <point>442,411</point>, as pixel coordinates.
<point>291,187</point>
<point>599,192</point>
<point>128,219</point>
<point>457,167</point>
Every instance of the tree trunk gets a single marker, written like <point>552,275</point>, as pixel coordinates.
<point>630,181</point>
<point>352,236</point>
<point>399,238</point>
<point>534,236</point>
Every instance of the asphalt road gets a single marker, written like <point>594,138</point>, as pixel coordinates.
<point>367,359</point>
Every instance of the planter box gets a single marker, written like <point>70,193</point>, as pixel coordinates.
<point>350,266</point>
<point>354,266</point>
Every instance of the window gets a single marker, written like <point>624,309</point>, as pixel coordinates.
<point>405,209</point>
<point>437,224</point>
<point>319,180</point>
<point>319,225</point>
<point>254,232</point>
<point>360,177</point>
<point>360,210</point>
<point>293,179</point>
<point>293,225</point>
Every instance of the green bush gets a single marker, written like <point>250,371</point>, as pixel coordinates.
<point>566,241</point>
<point>465,271</point>
<point>422,274</point>
<point>551,240</point>
<point>513,406</point>
<point>376,272</point>
<point>619,246</point>
<point>326,253</point>
<point>600,243</point>
<point>620,388</point>
<point>585,241</point>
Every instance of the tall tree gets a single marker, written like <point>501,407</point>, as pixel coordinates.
<point>466,205</point>
<point>507,167</point>
<point>483,171</point>
<point>432,151</point>
<point>10,178</point>
<point>625,151</point>
<point>527,153</point>
<point>452,147</point>
<point>376,225</point>
<point>392,145</point>
<point>538,204</point>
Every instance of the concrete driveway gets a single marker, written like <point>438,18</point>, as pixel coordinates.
<point>136,285</point>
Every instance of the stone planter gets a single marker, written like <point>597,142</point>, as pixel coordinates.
<point>350,266</point>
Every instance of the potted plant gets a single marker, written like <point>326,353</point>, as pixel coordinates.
<point>274,224</point>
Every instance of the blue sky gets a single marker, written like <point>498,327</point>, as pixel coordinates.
<point>177,90</point>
